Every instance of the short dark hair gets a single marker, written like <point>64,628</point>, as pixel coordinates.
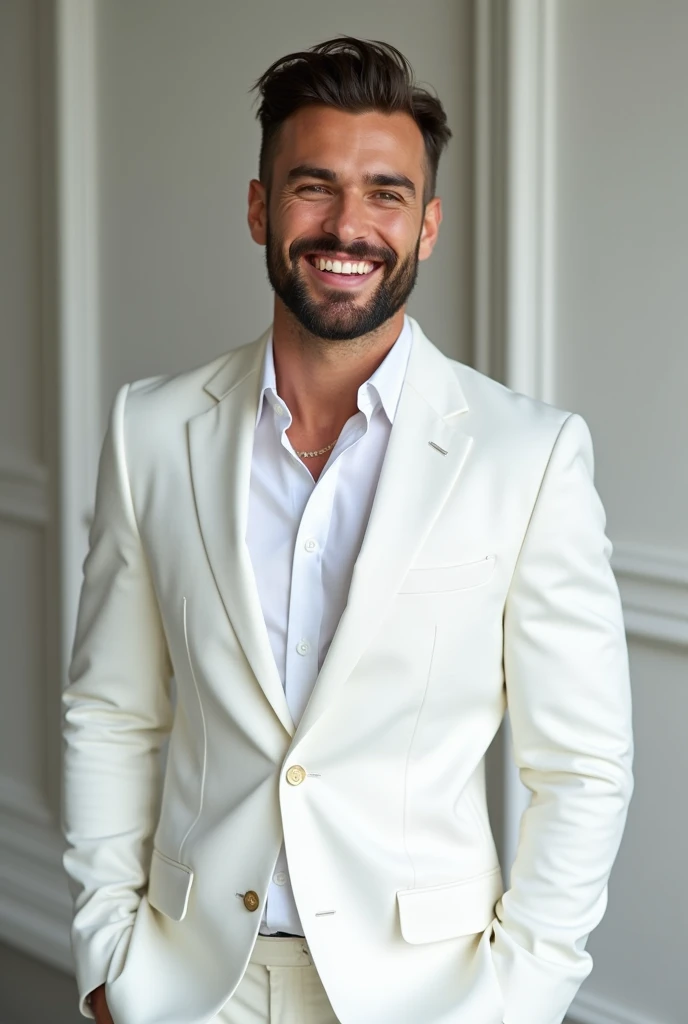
<point>355,75</point>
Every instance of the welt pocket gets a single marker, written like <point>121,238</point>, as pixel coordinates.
<point>169,885</point>
<point>446,578</point>
<point>449,910</point>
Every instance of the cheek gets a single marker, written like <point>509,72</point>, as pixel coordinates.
<point>398,230</point>
<point>296,222</point>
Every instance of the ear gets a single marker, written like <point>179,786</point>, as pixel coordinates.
<point>432,218</point>
<point>257,212</point>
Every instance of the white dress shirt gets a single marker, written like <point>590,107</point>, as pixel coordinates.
<point>304,537</point>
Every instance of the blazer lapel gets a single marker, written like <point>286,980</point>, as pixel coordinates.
<point>220,450</point>
<point>415,481</point>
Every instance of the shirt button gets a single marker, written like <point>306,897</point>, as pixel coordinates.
<point>279,877</point>
<point>303,647</point>
<point>279,410</point>
<point>311,544</point>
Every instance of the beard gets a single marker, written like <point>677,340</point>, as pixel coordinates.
<point>338,317</point>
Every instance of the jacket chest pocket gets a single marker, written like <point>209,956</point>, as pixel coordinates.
<point>446,579</point>
<point>450,592</point>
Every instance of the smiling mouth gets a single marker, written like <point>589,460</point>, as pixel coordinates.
<point>343,268</point>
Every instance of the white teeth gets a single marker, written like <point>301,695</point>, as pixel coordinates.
<point>339,267</point>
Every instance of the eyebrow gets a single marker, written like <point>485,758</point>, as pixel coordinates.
<point>325,174</point>
<point>304,171</point>
<point>393,180</point>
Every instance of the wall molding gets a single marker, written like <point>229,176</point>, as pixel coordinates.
<point>78,291</point>
<point>35,907</point>
<point>33,896</point>
<point>514,173</point>
<point>529,168</point>
<point>653,583</point>
<point>489,188</point>
<point>588,1008</point>
<point>514,181</point>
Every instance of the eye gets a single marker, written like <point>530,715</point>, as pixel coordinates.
<point>313,188</point>
<point>388,197</point>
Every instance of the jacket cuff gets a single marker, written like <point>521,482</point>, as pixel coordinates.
<point>97,958</point>
<point>85,1001</point>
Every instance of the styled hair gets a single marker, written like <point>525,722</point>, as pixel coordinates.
<point>354,75</point>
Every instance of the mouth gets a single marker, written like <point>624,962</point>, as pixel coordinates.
<point>341,271</point>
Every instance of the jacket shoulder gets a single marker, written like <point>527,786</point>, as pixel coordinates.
<point>500,410</point>
<point>169,399</point>
<point>181,393</point>
<point>521,434</point>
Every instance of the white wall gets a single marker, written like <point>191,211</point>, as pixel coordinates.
<point>621,330</point>
<point>32,889</point>
<point>181,279</point>
<point>622,300</point>
<point>597,274</point>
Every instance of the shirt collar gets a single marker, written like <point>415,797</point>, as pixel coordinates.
<point>384,384</point>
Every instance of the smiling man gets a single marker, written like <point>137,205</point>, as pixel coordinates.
<point>353,554</point>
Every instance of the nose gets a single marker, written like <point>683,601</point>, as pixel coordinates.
<point>346,218</point>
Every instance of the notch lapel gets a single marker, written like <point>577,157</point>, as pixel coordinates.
<point>220,451</point>
<point>415,481</point>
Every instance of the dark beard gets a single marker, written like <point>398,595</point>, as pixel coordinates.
<point>339,318</point>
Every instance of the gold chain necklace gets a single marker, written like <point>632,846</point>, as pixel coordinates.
<point>320,451</point>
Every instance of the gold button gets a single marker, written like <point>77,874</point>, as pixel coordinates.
<point>251,900</point>
<point>295,775</point>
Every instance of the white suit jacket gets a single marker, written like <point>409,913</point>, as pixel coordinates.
<point>483,579</point>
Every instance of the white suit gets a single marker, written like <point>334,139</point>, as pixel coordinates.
<point>483,579</point>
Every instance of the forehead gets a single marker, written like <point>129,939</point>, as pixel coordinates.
<point>350,144</point>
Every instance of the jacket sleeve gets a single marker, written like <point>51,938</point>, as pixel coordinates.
<point>569,700</point>
<point>116,715</point>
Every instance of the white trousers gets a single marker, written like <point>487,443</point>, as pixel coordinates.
<point>281,986</point>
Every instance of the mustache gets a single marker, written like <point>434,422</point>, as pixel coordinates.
<point>356,250</point>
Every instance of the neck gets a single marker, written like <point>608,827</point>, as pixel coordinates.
<point>319,379</point>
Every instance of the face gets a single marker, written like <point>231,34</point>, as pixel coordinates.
<point>344,224</point>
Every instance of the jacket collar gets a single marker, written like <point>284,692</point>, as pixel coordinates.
<point>427,372</point>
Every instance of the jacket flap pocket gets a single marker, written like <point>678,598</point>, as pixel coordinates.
<point>169,885</point>
<point>442,578</point>
<point>446,911</point>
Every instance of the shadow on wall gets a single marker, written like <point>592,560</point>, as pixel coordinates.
<point>31,991</point>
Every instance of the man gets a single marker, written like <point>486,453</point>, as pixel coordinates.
<point>351,553</point>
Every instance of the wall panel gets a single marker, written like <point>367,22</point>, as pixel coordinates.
<point>23,767</point>
<point>591,213</point>
<point>33,891</point>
